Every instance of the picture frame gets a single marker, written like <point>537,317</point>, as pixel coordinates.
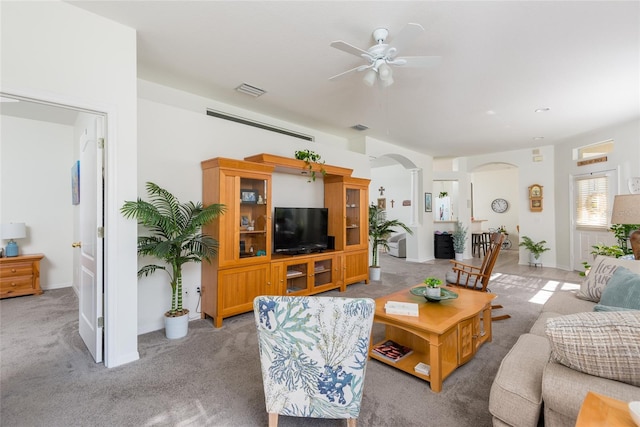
<point>248,196</point>
<point>382,204</point>
<point>428,202</point>
<point>244,221</point>
<point>75,183</point>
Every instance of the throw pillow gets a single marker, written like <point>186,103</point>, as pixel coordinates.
<point>602,344</point>
<point>622,291</point>
<point>601,271</point>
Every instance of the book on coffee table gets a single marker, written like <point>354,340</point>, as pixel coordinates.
<point>391,350</point>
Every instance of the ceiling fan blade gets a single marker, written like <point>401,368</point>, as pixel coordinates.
<point>417,61</point>
<point>346,47</point>
<point>360,68</point>
<point>404,38</point>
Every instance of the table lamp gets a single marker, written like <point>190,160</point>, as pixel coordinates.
<point>13,230</point>
<point>626,210</point>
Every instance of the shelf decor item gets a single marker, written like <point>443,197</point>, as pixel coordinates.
<point>175,238</point>
<point>309,157</point>
<point>380,229</point>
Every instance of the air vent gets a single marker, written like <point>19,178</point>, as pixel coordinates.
<point>250,90</point>
<point>247,122</point>
<point>359,127</point>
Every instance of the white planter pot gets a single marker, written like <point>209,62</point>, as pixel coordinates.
<point>374,273</point>
<point>459,257</point>
<point>534,259</point>
<point>433,292</point>
<point>176,327</point>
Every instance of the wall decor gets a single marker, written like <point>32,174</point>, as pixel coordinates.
<point>406,203</point>
<point>499,205</point>
<point>427,202</point>
<point>382,204</point>
<point>75,183</point>
<point>535,198</point>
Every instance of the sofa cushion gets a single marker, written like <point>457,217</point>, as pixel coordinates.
<point>600,272</point>
<point>516,392</point>
<point>565,302</point>
<point>603,344</point>
<point>622,292</point>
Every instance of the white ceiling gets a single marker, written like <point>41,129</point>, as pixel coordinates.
<point>500,62</point>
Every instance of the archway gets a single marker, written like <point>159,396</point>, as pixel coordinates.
<point>396,183</point>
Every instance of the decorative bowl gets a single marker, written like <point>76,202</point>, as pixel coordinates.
<point>634,410</point>
<point>445,294</point>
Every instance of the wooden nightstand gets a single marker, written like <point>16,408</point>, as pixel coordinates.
<point>20,275</point>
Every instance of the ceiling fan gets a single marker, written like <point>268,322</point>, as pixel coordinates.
<point>381,56</point>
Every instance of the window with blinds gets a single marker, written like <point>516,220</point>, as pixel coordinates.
<point>592,201</point>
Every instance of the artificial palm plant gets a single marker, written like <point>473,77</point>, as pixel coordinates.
<point>175,236</point>
<point>380,229</point>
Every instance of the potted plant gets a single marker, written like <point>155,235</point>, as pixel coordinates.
<point>459,237</point>
<point>535,249</point>
<point>309,156</point>
<point>175,238</point>
<point>432,286</point>
<point>380,228</point>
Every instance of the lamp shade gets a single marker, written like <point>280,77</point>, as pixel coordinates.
<point>14,230</point>
<point>626,209</point>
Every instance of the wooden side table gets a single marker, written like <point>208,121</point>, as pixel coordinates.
<point>20,275</point>
<point>598,410</point>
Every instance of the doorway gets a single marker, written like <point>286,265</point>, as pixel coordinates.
<point>41,145</point>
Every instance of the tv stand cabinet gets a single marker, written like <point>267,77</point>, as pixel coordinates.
<point>245,266</point>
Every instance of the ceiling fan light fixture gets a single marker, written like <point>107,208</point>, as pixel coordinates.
<point>384,71</point>
<point>388,82</point>
<point>369,78</point>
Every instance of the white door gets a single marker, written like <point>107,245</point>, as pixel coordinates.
<point>90,289</point>
<point>592,201</point>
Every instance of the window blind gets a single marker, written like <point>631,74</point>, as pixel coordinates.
<point>592,201</point>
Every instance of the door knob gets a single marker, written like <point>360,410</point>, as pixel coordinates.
<point>76,245</point>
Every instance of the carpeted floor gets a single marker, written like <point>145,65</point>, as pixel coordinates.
<point>212,377</point>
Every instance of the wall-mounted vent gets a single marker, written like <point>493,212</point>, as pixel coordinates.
<point>359,127</point>
<point>242,120</point>
<point>247,89</point>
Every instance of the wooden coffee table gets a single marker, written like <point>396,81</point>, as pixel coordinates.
<point>445,335</point>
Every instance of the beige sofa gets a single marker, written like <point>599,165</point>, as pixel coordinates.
<point>532,388</point>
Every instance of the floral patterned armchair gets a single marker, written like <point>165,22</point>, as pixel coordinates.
<point>313,352</point>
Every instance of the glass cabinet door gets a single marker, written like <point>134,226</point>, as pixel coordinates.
<point>253,218</point>
<point>322,272</point>
<point>296,277</point>
<point>353,215</point>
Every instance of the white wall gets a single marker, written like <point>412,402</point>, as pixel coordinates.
<point>491,185</point>
<point>175,135</point>
<point>57,52</point>
<point>396,181</point>
<point>625,158</point>
<point>420,243</point>
<point>36,189</point>
<point>537,225</point>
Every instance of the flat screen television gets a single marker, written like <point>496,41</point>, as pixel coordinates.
<point>300,230</point>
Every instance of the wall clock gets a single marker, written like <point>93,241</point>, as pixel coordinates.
<point>634,185</point>
<point>500,205</point>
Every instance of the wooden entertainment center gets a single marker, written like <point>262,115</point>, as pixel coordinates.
<point>245,266</point>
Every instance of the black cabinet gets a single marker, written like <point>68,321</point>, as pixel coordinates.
<point>443,246</point>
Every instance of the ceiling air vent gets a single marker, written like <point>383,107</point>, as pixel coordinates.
<point>359,127</point>
<point>250,90</point>
<point>252,123</point>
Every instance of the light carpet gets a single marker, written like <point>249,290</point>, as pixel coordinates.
<point>212,377</point>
